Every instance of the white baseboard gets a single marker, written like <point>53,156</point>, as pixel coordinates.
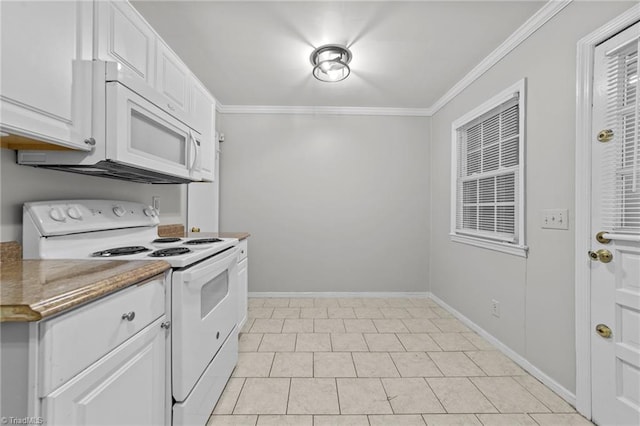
<point>339,294</point>
<point>563,392</point>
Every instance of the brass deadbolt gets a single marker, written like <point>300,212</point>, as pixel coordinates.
<point>605,135</point>
<point>601,239</point>
<point>603,331</point>
<point>603,255</point>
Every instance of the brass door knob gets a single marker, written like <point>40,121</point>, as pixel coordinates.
<point>603,331</point>
<point>195,229</point>
<point>605,135</point>
<point>603,255</point>
<point>601,239</point>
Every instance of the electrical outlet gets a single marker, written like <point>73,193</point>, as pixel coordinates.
<point>495,308</point>
<point>155,202</point>
<point>555,219</point>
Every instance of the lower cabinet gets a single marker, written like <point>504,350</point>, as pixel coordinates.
<point>243,283</point>
<point>103,363</point>
<point>127,386</point>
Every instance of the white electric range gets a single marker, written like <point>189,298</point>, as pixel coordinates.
<point>201,294</point>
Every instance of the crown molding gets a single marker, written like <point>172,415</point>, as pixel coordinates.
<point>322,110</point>
<point>537,20</point>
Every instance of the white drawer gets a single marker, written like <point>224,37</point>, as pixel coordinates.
<point>243,246</point>
<point>73,341</point>
<point>197,408</point>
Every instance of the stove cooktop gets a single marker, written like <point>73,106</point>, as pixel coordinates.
<point>179,252</point>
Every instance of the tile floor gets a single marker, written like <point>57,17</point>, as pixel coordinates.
<point>376,362</point>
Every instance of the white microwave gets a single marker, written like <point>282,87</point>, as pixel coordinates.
<point>134,138</point>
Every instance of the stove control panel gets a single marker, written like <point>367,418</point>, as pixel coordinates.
<point>74,216</point>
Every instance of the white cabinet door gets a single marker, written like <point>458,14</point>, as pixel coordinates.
<point>243,293</point>
<point>125,37</point>
<point>172,80</point>
<point>203,201</point>
<point>125,387</point>
<point>202,116</point>
<point>46,71</point>
<point>202,108</point>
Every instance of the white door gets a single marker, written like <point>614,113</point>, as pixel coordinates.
<point>203,303</point>
<point>203,197</point>
<point>615,210</point>
<point>125,387</point>
<point>123,36</point>
<point>172,79</point>
<point>202,114</point>
<point>45,71</point>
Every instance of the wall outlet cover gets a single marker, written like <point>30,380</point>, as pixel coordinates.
<point>495,308</point>
<point>555,219</point>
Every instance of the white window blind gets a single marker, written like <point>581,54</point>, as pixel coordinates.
<point>621,162</point>
<point>487,182</point>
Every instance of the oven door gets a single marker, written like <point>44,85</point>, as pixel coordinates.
<point>140,134</point>
<point>204,312</point>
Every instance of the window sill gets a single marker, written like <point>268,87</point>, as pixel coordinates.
<point>513,249</point>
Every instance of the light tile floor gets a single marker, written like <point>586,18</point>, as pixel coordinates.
<point>376,362</point>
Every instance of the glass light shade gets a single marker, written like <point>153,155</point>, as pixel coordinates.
<point>330,62</point>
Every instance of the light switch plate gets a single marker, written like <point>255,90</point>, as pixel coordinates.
<point>555,219</point>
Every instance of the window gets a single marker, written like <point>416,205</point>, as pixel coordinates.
<point>488,174</point>
<point>621,162</point>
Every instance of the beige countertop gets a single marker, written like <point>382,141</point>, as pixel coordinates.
<point>177,230</point>
<point>31,290</point>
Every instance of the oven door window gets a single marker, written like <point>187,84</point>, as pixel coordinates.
<point>213,292</point>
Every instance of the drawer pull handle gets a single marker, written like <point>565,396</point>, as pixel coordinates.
<point>129,316</point>
<point>166,325</point>
<point>217,335</point>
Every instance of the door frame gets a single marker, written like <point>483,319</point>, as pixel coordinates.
<point>583,238</point>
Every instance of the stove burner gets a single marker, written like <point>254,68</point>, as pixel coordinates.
<point>166,240</point>
<point>203,241</point>
<point>173,251</point>
<point>120,251</point>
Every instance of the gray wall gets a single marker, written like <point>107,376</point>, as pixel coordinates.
<point>333,203</point>
<point>19,184</point>
<point>536,294</point>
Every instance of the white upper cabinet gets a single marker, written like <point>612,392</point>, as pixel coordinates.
<point>48,78</point>
<point>46,71</point>
<point>124,37</point>
<point>203,113</point>
<point>172,79</point>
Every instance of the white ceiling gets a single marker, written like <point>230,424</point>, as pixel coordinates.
<point>405,54</point>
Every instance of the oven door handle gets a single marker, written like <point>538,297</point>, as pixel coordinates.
<point>220,263</point>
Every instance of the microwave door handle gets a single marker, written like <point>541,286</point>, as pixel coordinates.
<point>197,160</point>
<point>192,151</point>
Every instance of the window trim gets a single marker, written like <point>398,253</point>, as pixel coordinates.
<point>518,247</point>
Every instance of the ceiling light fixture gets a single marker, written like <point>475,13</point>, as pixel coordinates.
<point>330,62</point>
